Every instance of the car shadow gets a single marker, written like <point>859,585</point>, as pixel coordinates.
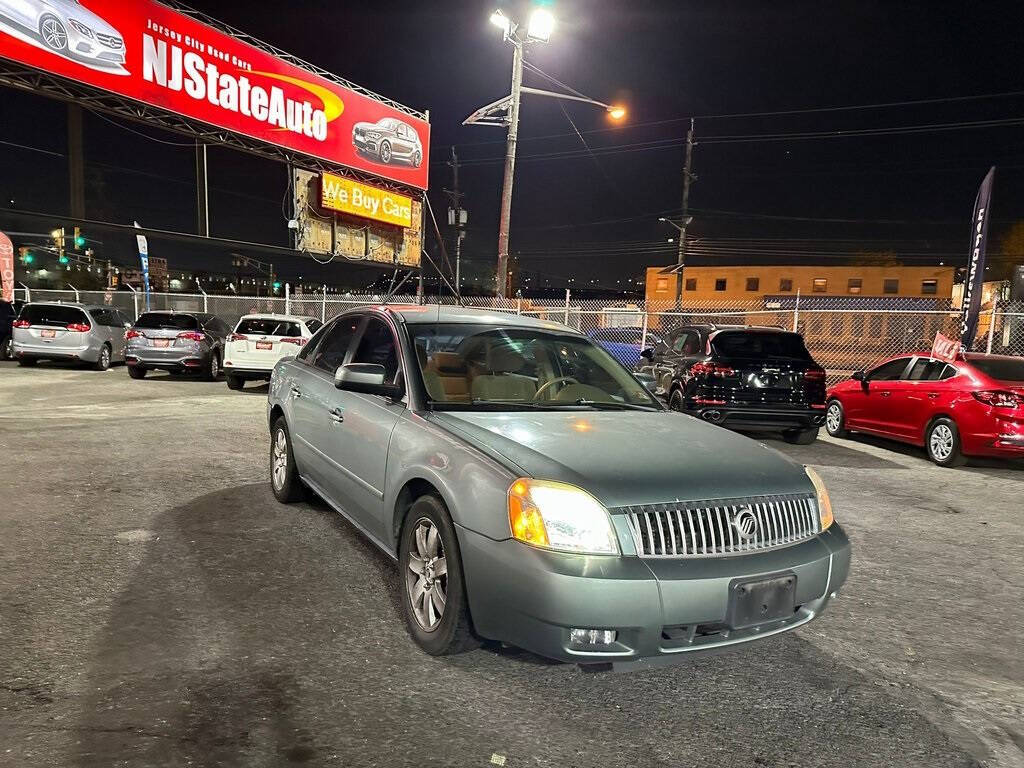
<point>824,454</point>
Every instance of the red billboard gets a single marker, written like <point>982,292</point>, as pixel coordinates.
<point>150,53</point>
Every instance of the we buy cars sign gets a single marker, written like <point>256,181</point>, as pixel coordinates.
<point>150,53</point>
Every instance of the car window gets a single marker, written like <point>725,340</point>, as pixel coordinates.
<point>167,321</point>
<point>925,369</point>
<point>760,344</point>
<point>378,346</point>
<point>266,326</point>
<point>313,326</point>
<point>889,371</point>
<point>51,314</point>
<point>1001,368</point>
<point>687,343</point>
<point>100,316</point>
<point>330,352</point>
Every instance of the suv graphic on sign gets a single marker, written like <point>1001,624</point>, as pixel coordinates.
<point>66,28</point>
<point>389,140</point>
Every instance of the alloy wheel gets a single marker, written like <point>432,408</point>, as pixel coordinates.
<point>54,34</point>
<point>427,576</point>
<point>385,153</point>
<point>941,442</point>
<point>214,367</point>
<point>104,358</point>
<point>834,417</point>
<point>279,463</point>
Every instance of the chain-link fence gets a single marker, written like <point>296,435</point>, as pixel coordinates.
<point>843,334</point>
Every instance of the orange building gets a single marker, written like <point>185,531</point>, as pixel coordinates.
<point>730,284</point>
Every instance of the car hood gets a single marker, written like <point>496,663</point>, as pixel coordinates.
<point>96,23</point>
<point>629,457</point>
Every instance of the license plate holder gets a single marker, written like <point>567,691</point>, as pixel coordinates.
<point>759,601</point>
<point>49,334</point>
<point>161,342</point>
<point>264,345</point>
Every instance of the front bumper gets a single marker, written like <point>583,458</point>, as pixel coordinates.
<point>760,418</point>
<point>663,610</point>
<point>365,144</point>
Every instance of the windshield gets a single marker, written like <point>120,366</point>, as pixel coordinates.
<point>167,321</point>
<point>1000,368</point>
<point>759,344</point>
<point>482,366</point>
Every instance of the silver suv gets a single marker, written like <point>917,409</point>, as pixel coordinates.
<point>83,332</point>
<point>179,342</point>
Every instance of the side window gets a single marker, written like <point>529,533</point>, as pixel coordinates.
<point>99,316</point>
<point>890,371</point>
<point>686,343</point>
<point>378,346</point>
<point>926,369</point>
<point>948,372</point>
<point>330,352</point>
<point>313,326</point>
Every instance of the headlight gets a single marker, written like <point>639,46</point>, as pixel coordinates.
<point>81,28</point>
<point>373,135</point>
<point>559,516</point>
<point>824,503</point>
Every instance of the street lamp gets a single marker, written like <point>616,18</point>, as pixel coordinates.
<point>505,113</point>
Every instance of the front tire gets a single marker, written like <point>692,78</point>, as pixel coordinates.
<point>385,152</point>
<point>54,35</point>
<point>433,590</point>
<point>103,361</point>
<point>800,436</point>
<point>284,476</point>
<point>835,419</point>
<point>417,159</point>
<point>942,443</point>
<point>136,371</point>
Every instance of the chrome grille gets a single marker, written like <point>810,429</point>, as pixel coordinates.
<point>721,527</point>
<point>110,42</point>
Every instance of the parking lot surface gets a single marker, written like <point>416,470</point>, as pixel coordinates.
<point>159,607</point>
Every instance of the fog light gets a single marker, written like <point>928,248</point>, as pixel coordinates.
<point>592,636</point>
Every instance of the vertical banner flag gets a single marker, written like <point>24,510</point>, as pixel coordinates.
<point>7,267</point>
<point>976,262</point>
<point>144,260</point>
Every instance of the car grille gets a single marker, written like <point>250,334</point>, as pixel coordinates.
<point>110,41</point>
<point>722,527</point>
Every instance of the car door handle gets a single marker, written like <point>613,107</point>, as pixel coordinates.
<point>296,392</point>
<point>337,416</point>
<point>884,394</point>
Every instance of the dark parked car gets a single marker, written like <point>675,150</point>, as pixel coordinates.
<point>741,377</point>
<point>180,342</point>
<point>8,313</point>
<point>625,344</point>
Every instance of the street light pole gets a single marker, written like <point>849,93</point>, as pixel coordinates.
<point>687,177</point>
<point>502,287</point>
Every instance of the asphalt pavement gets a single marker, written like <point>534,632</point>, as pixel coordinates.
<point>159,608</point>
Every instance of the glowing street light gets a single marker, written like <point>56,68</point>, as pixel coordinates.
<point>616,112</point>
<point>542,24</point>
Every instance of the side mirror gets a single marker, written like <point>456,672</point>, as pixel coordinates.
<point>860,376</point>
<point>367,378</point>
<point>647,354</point>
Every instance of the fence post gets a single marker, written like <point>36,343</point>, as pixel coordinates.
<point>69,285</point>
<point>519,305</point>
<point>796,311</point>
<point>200,287</point>
<point>566,318</point>
<point>135,299</point>
<point>323,306</point>
<point>992,325</point>
<point>28,292</point>
<point>643,337</point>
<point>287,298</point>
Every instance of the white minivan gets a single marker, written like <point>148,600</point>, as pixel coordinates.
<point>259,341</point>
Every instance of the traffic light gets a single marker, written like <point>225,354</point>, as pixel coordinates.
<point>277,286</point>
<point>63,259</point>
<point>27,257</point>
<point>79,238</point>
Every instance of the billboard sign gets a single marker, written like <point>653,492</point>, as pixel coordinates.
<point>150,53</point>
<point>347,196</point>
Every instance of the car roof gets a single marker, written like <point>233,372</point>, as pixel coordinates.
<point>275,316</point>
<point>75,304</point>
<point>416,314</point>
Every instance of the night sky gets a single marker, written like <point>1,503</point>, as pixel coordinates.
<point>591,209</point>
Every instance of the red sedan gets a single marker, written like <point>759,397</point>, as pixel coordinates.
<point>970,407</point>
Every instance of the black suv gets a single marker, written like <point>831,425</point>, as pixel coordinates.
<point>743,377</point>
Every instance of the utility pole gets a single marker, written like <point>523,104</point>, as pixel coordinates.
<point>687,178</point>
<point>76,162</point>
<point>456,217</point>
<point>501,288</point>
<point>202,195</point>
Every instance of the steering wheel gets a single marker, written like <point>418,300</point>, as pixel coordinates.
<point>546,385</point>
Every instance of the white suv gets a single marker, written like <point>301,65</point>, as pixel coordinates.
<point>259,341</point>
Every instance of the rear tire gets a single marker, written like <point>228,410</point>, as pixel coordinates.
<point>27,362</point>
<point>234,382</point>
<point>7,350</point>
<point>103,361</point>
<point>284,476</point>
<point>676,401</point>
<point>800,436</point>
<point>835,419</point>
<point>428,544</point>
<point>136,372</point>
<point>212,370</point>
<point>942,443</point>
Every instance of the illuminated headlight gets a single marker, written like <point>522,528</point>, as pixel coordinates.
<point>824,502</point>
<point>559,516</point>
<point>81,28</point>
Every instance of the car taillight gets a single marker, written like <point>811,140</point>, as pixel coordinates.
<point>131,333</point>
<point>711,369</point>
<point>290,340</point>
<point>238,337</point>
<point>79,327</point>
<point>191,335</point>
<point>22,323</point>
<point>815,374</point>
<point>1000,399</point>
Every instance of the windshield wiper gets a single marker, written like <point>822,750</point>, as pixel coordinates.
<point>609,405</point>
<point>489,405</point>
